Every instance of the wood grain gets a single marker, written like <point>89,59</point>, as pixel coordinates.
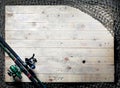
<point>58,35</point>
<point>62,43</point>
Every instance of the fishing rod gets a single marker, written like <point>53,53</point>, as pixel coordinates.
<point>21,66</point>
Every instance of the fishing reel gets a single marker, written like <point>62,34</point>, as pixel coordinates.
<point>15,71</point>
<point>31,61</point>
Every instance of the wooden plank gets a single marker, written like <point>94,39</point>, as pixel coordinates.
<point>63,52</point>
<point>46,10</point>
<point>73,69</point>
<point>33,25</point>
<point>62,43</point>
<point>38,9</point>
<point>35,17</point>
<point>57,34</point>
<point>77,78</point>
<point>79,60</point>
<point>69,78</point>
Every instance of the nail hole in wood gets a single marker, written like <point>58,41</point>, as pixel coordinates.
<point>83,61</point>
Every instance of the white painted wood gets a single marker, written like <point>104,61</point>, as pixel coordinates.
<point>33,25</point>
<point>70,45</point>
<point>62,43</point>
<point>64,13</point>
<point>69,77</point>
<point>67,18</point>
<point>74,60</point>
<point>65,52</point>
<point>77,77</point>
<point>58,35</point>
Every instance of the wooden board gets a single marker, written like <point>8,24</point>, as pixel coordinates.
<point>70,45</point>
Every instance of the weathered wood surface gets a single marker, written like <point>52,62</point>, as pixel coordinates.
<point>70,45</point>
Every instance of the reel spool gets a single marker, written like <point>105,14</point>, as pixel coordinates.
<point>15,71</point>
<point>31,61</point>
